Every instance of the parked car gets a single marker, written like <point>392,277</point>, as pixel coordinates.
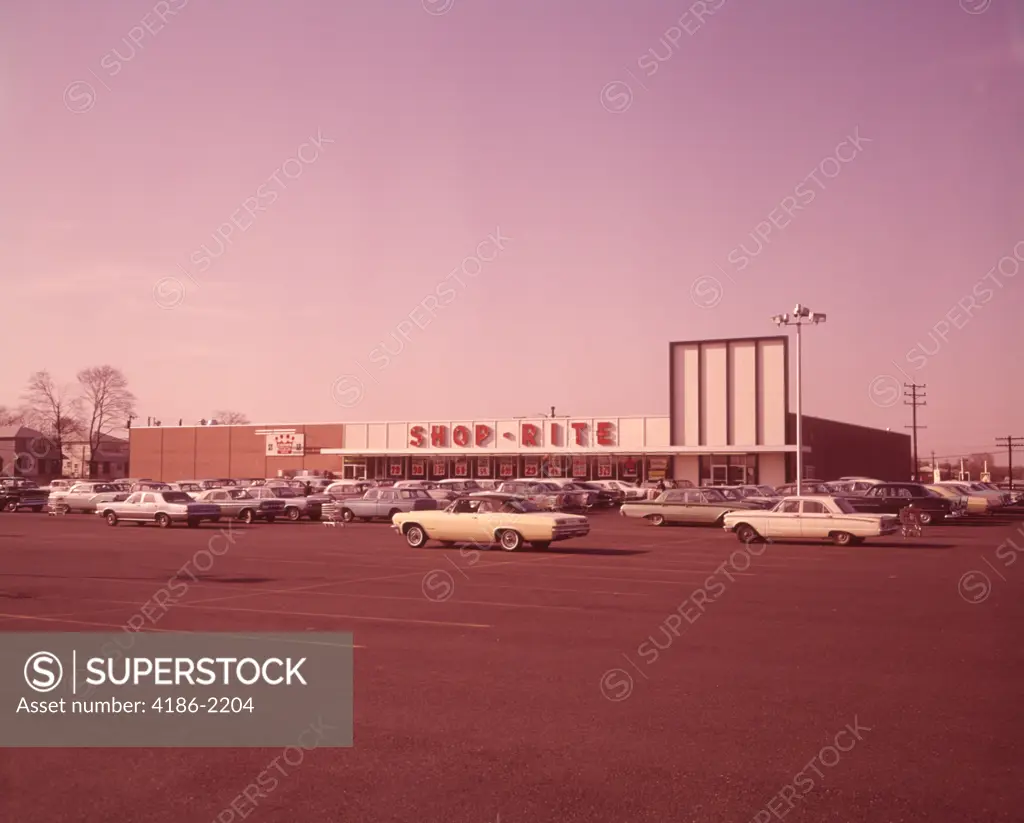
<point>976,503</point>
<point>297,504</point>
<point>61,485</point>
<point>191,489</point>
<point>151,486</point>
<point>854,485</point>
<point>239,504</point>
<point>606,497</point>
<point>738,494</point>
<point>693,507</point>
<point>576,495</point>
<point>962,501</point>
<point>810,518</point>
<point>507,520</point>
<point>544,495</point>
<point>890,498</point>
<point>996,499</point>
<point>385,503</point>
<point>164,508</point>
<point>460,486</point>
<point>20,493</point>
<point>811,487</point>
<point>86,497</point>
<point>348,489</point>
<point>630,491</point>
<point>760,494</point>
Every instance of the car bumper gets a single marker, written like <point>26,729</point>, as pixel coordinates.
<point>567,532</point>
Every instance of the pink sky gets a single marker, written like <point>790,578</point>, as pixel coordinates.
<point>438,130</point>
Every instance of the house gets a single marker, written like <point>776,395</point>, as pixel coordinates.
<point>111,458</point>
<point>27,452</point>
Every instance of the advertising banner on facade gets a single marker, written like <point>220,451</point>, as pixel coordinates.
<point>286,445</point>
<point>659,466</point>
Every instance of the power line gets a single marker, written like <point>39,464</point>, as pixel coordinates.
<point>915,401</point>
<point>1010,443</point>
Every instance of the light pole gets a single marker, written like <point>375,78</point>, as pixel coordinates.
<point>800,317</point>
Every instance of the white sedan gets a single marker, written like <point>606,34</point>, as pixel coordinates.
<point>818,518</point>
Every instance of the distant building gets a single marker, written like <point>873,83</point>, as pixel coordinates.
<point>111,458</point>
<point>27,452</point>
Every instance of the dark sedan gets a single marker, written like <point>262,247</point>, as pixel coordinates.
<point>890,498</point>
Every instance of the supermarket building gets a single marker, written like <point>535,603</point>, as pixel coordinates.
<point>729,422</point>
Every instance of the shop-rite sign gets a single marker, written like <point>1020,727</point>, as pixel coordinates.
<point>530,435</point>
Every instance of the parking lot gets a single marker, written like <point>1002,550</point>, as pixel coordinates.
<point>640,674</point>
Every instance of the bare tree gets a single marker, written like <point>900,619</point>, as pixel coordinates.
<point>230,418</point>
<point>52,409</point>
<point>107,404</point>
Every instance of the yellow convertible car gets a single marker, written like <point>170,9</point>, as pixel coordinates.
<point>487,519</point>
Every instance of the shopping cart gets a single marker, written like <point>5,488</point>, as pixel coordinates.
<point>910,521</point>
<point>330,515</point>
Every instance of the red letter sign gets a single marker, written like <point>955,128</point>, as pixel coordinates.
<point>437,435</point>
<point>580,428</point>
<point>417,433</point>
<point>460,435</point>
<point>556,435</point>
<point>605,434</point>
<point>482,433</point>
<point>529,434</point>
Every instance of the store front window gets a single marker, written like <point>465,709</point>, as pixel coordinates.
<point>728,469</point>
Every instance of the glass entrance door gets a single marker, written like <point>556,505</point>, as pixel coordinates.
<point>720,475</point>
<point>353,471</point>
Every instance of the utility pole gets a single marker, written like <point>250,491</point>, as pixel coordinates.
<point>916,400</point>
<point>1011,443</point>
<point>934,467</point>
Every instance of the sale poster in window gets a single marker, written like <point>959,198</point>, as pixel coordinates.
<point>507,468</point>
<point>483,467</point>
<point>439,468</point>
<point>532,467</point>
<point>579,467</point>
<point>628,467</point>
<point>461,468</point>
<point>395,468</point>
<point>419,468</point>
<point>604,467</point>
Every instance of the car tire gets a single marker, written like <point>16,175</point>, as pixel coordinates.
<point>416,536</point>
<point>247,516</point>
<point>292,513</point>
<point>192,523</point>
<point>747,534</point>
<point>347,516</point>
<point>541,545</point>
<point>111,518</point>
<point>843,539</point>
<point>163,521</point>
<point>11,506</point>
<point>510,540</point>
<point>655,519</point>
<point>926,518</point>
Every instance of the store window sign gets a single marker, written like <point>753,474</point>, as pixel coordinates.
<point>530,435</point>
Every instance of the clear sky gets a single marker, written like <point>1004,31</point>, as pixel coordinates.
<point>596,174</point>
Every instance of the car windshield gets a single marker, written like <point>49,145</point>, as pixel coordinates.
<point>100,487</point>
<point>546,487</point>
<point>176,497</point>
<point>239,494</point>
<point>730,494</point>
<point>412,494</point>
<point>285,491</point>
